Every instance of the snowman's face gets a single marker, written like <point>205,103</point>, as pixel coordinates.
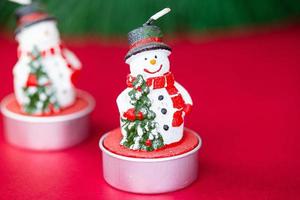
<point>43,35</point>
<point>150,63</point>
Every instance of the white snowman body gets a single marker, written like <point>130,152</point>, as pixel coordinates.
<point>44,36</point>
<point>151,64</point>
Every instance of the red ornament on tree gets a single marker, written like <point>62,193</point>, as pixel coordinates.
<point>139,116</point>
<point>148,143</point>
<point>130,114</point>
<point>32,80</point>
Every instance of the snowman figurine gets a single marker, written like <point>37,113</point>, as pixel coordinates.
<point>154,105</point>
<point>45,70</point>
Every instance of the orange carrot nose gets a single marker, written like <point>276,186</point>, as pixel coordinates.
<point>152,61</point>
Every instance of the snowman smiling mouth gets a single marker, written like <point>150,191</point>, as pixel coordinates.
<point>152,72</point>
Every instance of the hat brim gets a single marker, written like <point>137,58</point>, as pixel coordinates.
<point>49,18</point>
<point>149,46</point>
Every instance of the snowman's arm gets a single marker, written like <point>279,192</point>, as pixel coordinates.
<point>20,74</point>
<point>126,109</point>
<point>71,58</point>
<point>185,95</point>
<point>123,101</point>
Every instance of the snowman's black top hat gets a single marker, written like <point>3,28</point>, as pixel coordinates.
<point>28,15</point>
<point>147,37</point>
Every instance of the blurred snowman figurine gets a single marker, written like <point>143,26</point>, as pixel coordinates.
<point>148,57</point>
<point>45,71</point>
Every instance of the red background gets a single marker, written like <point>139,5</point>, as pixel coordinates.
<point>246,91</point>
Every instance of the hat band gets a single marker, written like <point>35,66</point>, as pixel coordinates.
<point>145,41</point>
<point>31,18</point>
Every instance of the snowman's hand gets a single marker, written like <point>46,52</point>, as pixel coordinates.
<point>132,115</point>
<point>71,58</point>
<point>187,108</point>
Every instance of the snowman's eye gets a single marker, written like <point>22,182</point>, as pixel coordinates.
<point>155,56</point>
<point>145,58</point>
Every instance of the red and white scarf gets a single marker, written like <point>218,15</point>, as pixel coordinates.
<point>56,50</point>
<point>59,49</point>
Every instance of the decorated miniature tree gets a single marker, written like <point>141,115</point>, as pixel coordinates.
<point>40,96</point>
<point>139,124</point>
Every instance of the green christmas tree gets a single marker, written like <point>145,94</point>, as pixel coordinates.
<point>138,122</point>
<point>40,95</point>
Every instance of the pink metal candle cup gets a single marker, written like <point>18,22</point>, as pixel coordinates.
<point>47,133</point>
<point>150,175</point>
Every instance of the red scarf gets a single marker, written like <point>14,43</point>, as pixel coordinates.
<point>59,49</point>
<point>54,51</point>
<point>166,81</point>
